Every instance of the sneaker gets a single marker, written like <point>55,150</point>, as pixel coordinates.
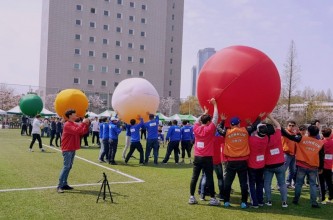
<point>284,205</point>
<point>261,204</point>
<point>60,190</point>
<point>269,203</point>
<point>192,200</point>
<point>113,163</point>
<point>227,204</point>
<point>42,150</point>
<point>214,202</point>
<point>31,150</point>
<point>315,206</point>
<point>202,197</point>
<point>254,206</point>
<point>102,161</point>
<point>51,145</point>
<point>67,187</point>
<point>290,187</point>
<point>323,202</point>
<point>243,205</point>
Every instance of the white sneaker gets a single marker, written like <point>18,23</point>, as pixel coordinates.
<point>214,202</point>
<point>42,150</point>
<point>31,150</point>
<point>192,200</point>
<point>284,205</point>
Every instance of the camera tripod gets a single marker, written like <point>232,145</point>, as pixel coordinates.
<point>103,186</point>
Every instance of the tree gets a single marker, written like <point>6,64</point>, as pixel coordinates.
<point>291,74</point>
<point>166,105</point>
<point>190,106</point>
<point>49,102</point>
<point>7,98</point>
<point>96,103</point>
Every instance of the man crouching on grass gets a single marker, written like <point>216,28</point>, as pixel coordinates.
<point>70,142</point>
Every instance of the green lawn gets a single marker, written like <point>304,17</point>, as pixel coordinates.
<point>163,194</point>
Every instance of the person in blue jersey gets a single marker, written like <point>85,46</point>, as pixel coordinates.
<point>102,150</point>
<point>152,138</point>
<point>187,138</point>
<point>114,131</point>
<point>105,141</point>
<point>135,139</point>
<point>127,140</point>
<point>173,137</point>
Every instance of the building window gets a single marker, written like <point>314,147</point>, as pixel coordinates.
<point>169,93</point>
<point>103,83</point>
<point>104,69</point>
<point>171,50</point>
<point>172,39</point>
<point>131,31</point>
<point>117,57</point>
<point>104,55</point>
<point>115,84</point>
<point>107,0</point>
<point>141,73</point>
<point>118,43</point>
<point>93,10</point>
<point>129,72</point>
<point>77,66</point>
<point>173,5</point>
<point>173,17</point>
<point>119,15</point>
<point>130,45</point>
<point>78,22</point>
<point>143,20</point>
<point>142,60</point>
<point>79,7</point>
<point>172,27</point>
<point>118,29</point>
<point>170,71</point>
<point>105,41</point>
<point>77,37</point>
<point>76,81</point>
<point>90,82</point>
<point>92,24</point>
<point>119,2</point>
<point>142,47</point>
<point>91,53</point>
<point>77,51</point>
<point>132,5</point>
<point>170,82</point>
<point>106,13</point>
<point>91,68</point>
<point>131,18</point>
<point>143,34</point>
<point>130,59</point>
<point>171,61</point>
<point>106,27</point>
<point>117,71</point>
<point>143,7</point>
<point>92,39</point>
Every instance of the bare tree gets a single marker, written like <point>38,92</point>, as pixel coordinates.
<point>49,101</point>
<point>166,105</point>
<point>291,74</point>
<point>96,103</point>
<point>7,98</point>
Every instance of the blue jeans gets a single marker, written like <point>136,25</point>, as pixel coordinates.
<point>290,162</point>
<point>105,151</point>
<point>280,176</point>
<point>301,173</point>
<point>220,182</point>
<point>256,184</point>
<point>101,151</point>
<point>68,163</point>
<point>152,144</point>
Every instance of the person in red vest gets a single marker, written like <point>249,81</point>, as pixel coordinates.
<point>309,159</point>
<point>326,175</point>
<point>274,163</point>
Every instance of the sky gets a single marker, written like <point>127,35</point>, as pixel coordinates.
<point>269,26</point>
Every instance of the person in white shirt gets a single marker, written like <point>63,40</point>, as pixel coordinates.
<point>37,125</point>
<point>95,130</point>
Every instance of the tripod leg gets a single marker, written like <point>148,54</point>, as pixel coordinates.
<point>104,192</point>
<point>100,191</point>
<point>109,191</point>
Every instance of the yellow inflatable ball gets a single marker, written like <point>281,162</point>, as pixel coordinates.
<point>133,97</point>
<point>71,99</point>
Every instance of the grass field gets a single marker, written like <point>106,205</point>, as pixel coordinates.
<point>162,194</point>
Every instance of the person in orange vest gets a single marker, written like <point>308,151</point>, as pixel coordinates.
<point>289,154</point>
<point>274,163</point>
<point>236,152</point>
<point>204,131</point>
<point>309,160</point>
<point>326,175</point>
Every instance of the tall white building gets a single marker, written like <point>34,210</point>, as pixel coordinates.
<point>93,45</point>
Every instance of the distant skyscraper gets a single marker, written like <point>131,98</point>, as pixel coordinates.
<point>194,80</point>
<point>94,45</point>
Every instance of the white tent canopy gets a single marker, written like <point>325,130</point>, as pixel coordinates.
<point>107,113</point>
<point>17,111</point>
<point>2,112</point>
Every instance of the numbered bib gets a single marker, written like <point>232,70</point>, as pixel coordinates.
<point>186,130</point>
<point>132,130</point>
<point>328,156</point>
<point>200,144</point>
<point>275,151</point>
<point>177,130</point>
<point>260,157</point>
<point>152,124</point>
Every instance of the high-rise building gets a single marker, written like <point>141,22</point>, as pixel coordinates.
<point>94,45</point>
<point>194,81</point>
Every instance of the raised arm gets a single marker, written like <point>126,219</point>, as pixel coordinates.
<point>275,122</point>
<point>216,113</point>
<point>221,129</point>
<point>253,127</point>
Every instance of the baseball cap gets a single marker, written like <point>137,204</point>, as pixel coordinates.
<point>234,121</point>
<point>114,118</point>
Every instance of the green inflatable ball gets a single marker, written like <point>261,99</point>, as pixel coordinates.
<point>31,105</point>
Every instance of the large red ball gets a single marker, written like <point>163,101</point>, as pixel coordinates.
<point>243,80</point>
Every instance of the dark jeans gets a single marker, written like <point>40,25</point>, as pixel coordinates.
<point>135,146</point>
<point>24,129</point>
<point>152,144</point>
<point>85,139</point>
<point>205,164</point>
<point>105,152</point>
<point>113,149</point>
<point>58,137</point>
<point>34,137</point>
<point>301,173</point>
<point>95,134</point>
<point>172,146</point>
<point>186,146</point>
<point>52,135</point>
<point>220,182</point>
<point>233,167</point>
<point>256,183</point>
<point>326,177</point>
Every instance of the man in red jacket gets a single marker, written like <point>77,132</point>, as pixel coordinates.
<point>70,142</point>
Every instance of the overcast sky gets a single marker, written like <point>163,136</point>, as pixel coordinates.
<point>269,26</point>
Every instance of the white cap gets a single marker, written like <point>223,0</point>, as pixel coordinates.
<point>114,118</point>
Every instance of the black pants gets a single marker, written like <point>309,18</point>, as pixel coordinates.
<point>135,146</point>
<point>186,146</point>
<point>95,134</point>
<point>113,149</point>
<point>172,146</point>
<point>53,133</point>
<point>58,136</point>
<point>233,167</point>
<point>34,137</point>
<point>143,133</point>
<point>205,164</point>
<point>326,177</point>
<point>24,129</point>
